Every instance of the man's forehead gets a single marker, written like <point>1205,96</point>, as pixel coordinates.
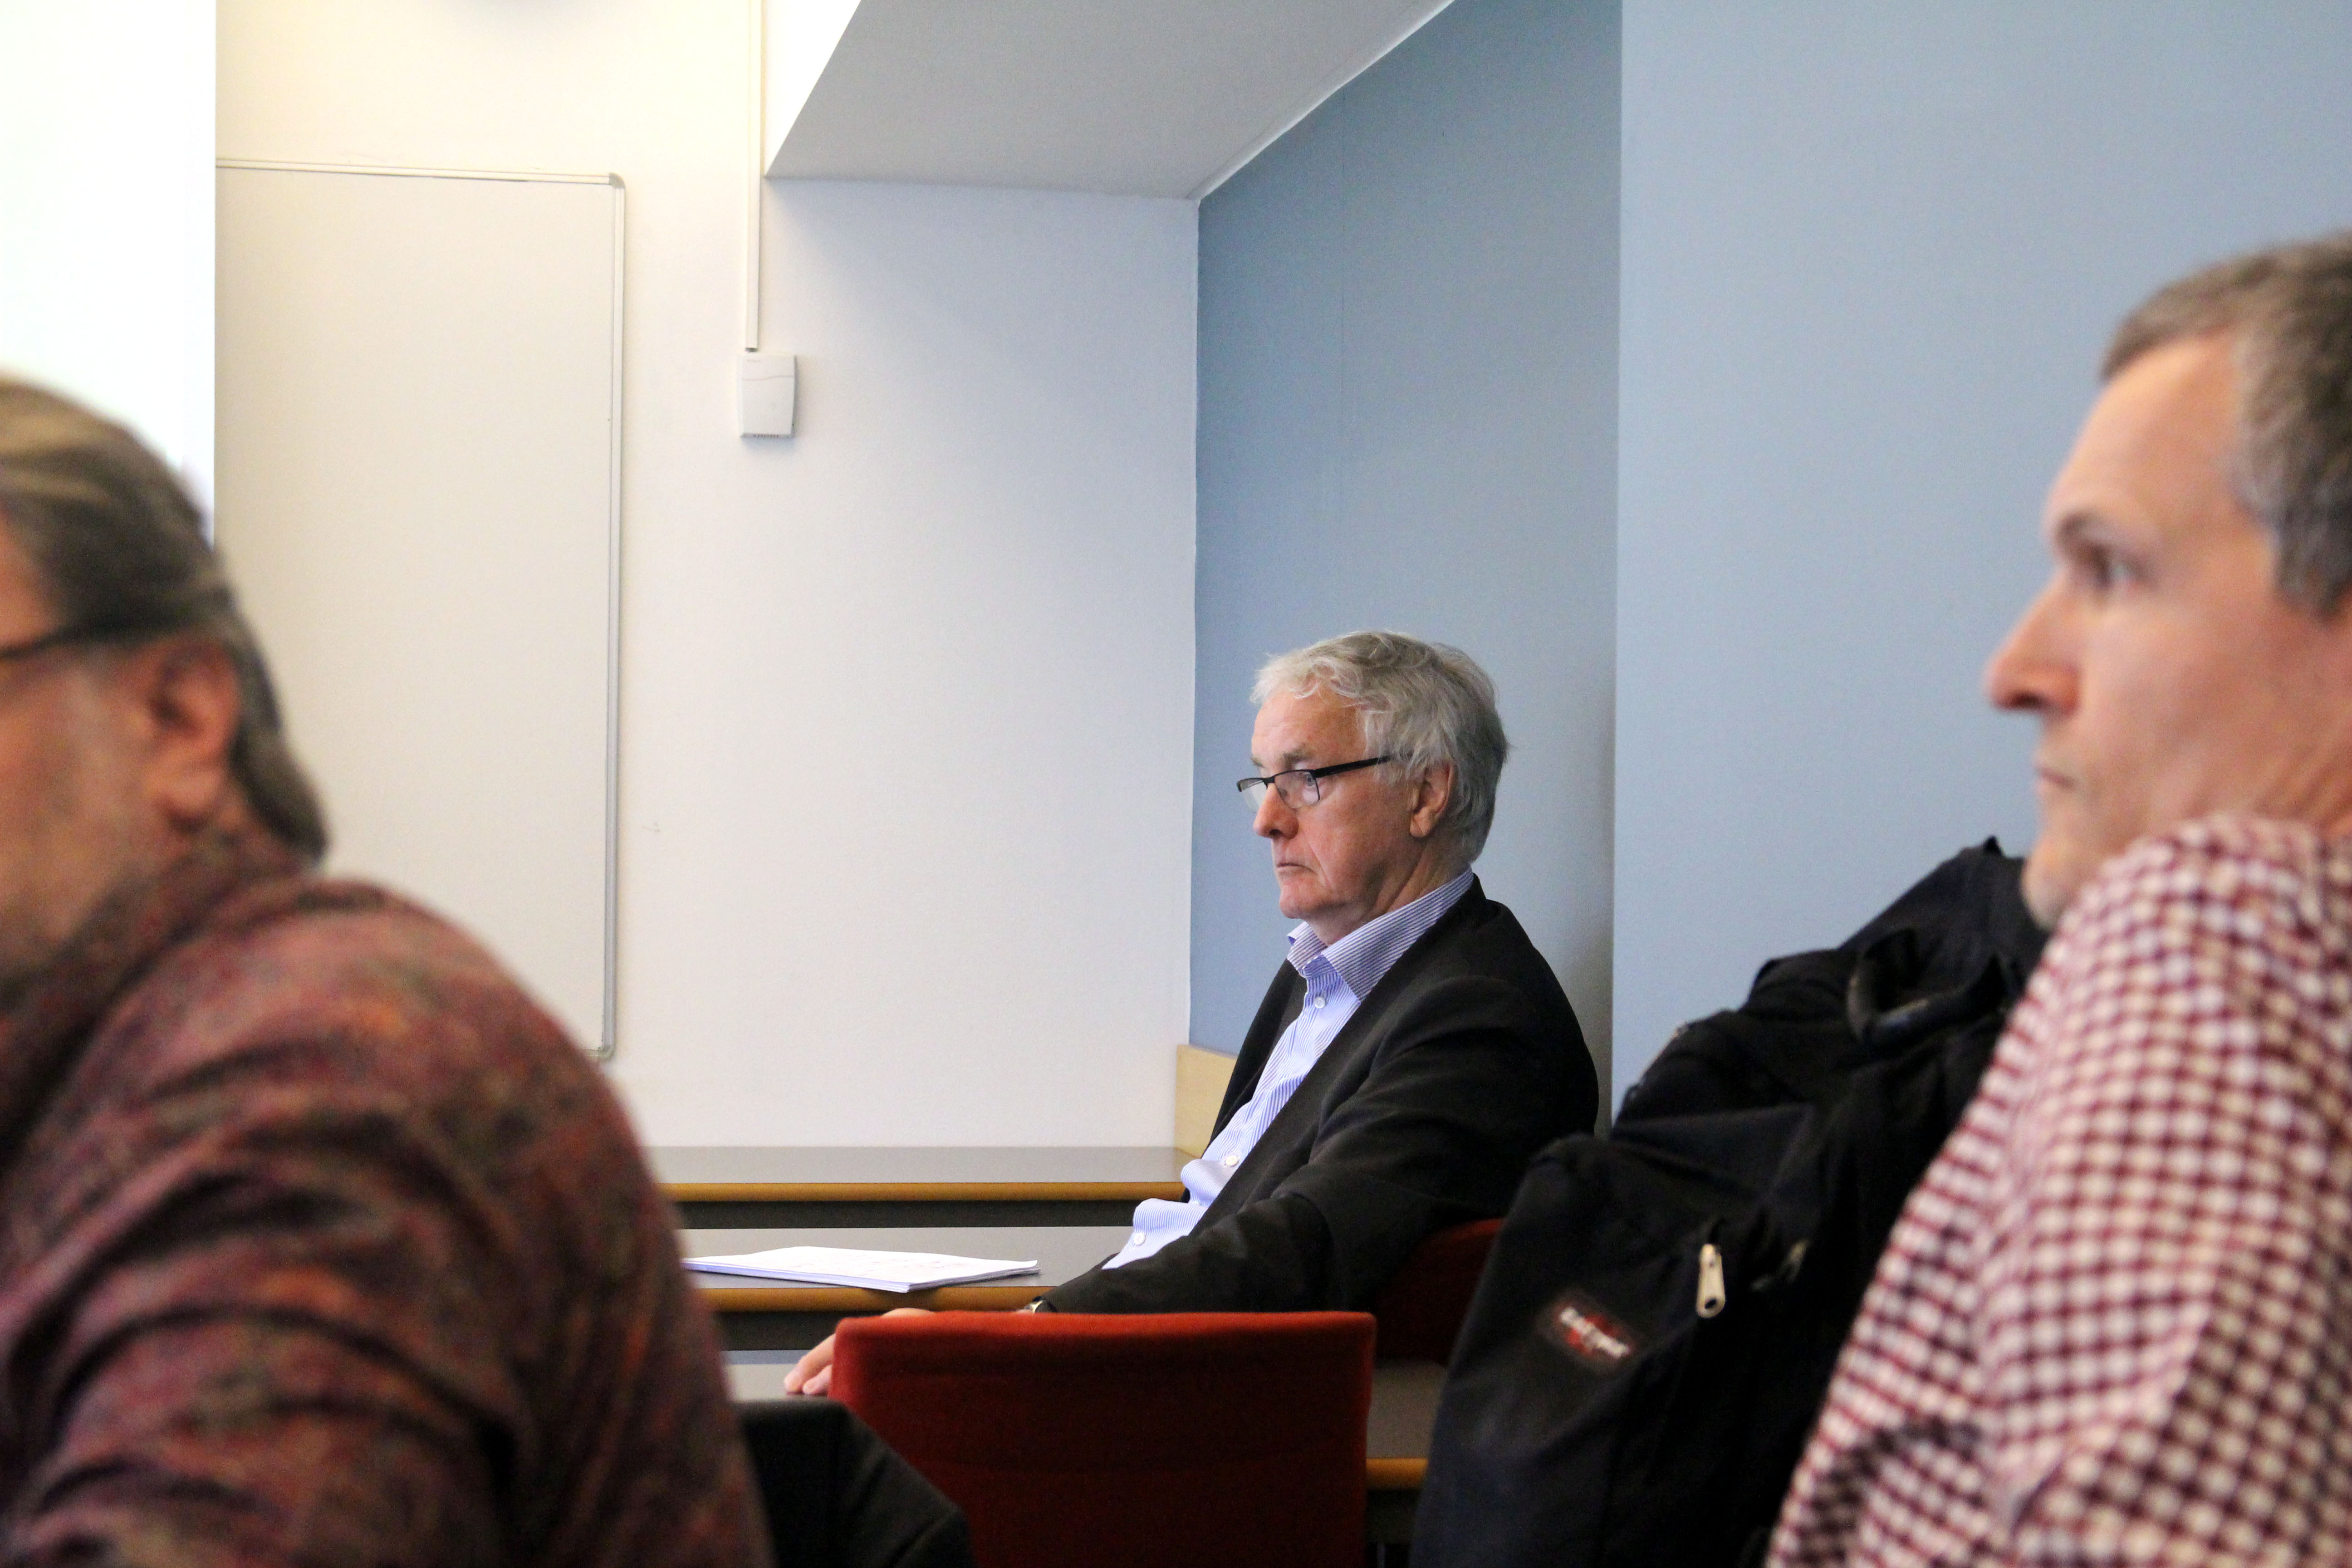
<point>2157,444</point>
<point>1293,727</point>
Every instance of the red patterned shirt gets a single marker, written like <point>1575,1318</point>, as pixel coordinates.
<point>321,1245</point>
<point>2115,1322</point>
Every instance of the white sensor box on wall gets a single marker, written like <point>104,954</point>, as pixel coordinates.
<point>764,392</point>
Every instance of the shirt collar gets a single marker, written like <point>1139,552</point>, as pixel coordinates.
<point>1371,950</point>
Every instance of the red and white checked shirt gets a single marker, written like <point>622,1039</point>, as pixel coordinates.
<point>2114,1324</point>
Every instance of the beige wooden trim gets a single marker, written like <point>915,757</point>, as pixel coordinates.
<point>1201,1079</point>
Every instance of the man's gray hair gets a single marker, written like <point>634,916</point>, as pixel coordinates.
<point>1421,703</point>
<point>2288,312</point>
<point>120,557</point>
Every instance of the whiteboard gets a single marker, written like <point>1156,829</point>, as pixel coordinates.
<point>418,483</point>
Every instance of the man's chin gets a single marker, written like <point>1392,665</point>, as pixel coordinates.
<point>2053,876</point>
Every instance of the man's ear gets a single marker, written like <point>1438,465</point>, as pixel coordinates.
<point>1431,793</point>
<point>185,707</point>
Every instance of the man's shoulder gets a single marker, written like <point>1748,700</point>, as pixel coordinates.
<point>1475,970</point>
<point>344,984</point>
<point>1481,938</point>
<point>299,943</point>
<point>320,1093</point>
<point>2228,937</point>
<point>306,1033</point>
<point>2230,880</point>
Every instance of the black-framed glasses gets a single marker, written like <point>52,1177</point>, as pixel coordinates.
<point>1299,786</point>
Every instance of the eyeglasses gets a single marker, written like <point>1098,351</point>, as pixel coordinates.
<point>1299,786</point>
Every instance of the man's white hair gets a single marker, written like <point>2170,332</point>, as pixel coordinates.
<point>1420,703</point>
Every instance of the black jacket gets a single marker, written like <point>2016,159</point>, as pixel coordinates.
<point>1421,1114</point>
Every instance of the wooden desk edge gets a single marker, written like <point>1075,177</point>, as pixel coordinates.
<point>847,1298</point>
<point>1395,1475</point>
<point>920,1192</point>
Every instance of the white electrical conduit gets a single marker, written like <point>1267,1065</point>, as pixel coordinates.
<point>757,117</point>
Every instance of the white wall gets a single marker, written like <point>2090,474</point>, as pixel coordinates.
<point>907,699</point>
<point>106,211</point>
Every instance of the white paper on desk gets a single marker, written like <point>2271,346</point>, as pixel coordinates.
<point>862,1269</point>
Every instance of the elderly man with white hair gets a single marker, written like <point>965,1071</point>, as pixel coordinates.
<point>1415,1050</point>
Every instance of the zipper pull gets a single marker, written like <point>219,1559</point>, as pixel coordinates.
<point>1710,1280</point>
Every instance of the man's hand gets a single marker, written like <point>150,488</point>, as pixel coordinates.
<point>813,1373</point>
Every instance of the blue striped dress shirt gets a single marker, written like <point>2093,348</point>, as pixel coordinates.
<point>1339,977</point>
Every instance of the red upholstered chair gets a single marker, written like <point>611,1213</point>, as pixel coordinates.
<point>1421,1308</point>
<point>1164,1441</point>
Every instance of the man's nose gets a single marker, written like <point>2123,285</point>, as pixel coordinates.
<point>2031,671</point>
<point>1275,818</point>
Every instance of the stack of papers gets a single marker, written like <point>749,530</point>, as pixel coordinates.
<point>865,1270</point>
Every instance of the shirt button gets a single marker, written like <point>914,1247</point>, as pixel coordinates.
<point>1319,1001</point>
<point>1232,1160</point>
<point>1136,1240</point>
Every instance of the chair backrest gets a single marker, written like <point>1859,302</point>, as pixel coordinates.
<point>1157,1441</point>
<point>1421,1307</point>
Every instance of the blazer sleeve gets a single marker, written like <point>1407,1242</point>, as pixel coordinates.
<point>1468,1080</point>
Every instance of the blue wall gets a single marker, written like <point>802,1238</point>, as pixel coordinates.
<point>1871,253</point>
<point>1408,388</point>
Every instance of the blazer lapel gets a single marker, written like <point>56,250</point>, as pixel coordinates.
<point>1304,1115</point>
<point>1282,1000</point>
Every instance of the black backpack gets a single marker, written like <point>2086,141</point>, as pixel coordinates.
<point>1656,1328</point>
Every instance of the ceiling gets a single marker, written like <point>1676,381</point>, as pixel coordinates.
<point>1161,97</point>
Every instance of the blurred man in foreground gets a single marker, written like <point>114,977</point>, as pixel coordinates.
<point>2115,1321</point>
<point>319,1243</point>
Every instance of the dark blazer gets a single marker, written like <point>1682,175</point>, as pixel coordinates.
<point>1421,1114</point>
